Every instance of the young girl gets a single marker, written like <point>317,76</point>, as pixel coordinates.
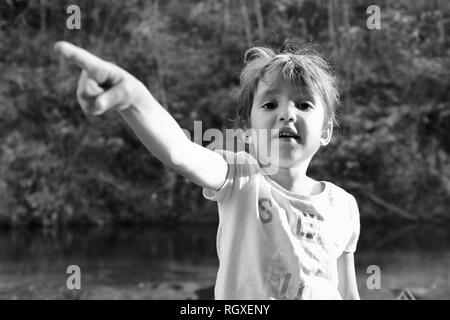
<point>282,235</point>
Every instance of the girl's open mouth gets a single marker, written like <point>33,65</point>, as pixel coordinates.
<point>288,134</point>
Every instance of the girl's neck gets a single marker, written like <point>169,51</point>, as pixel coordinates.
<point>295,180</point>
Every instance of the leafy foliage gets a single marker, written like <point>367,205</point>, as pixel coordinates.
<point>58,167</point>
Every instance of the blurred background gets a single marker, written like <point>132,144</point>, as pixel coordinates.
<point>84,191</point>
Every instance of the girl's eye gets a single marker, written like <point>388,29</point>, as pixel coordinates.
<point>304,106</point>
<point>269,106</point>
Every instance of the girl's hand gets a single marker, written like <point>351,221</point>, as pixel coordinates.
<point>102,86</point>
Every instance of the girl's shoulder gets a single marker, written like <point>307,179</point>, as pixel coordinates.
<point>336,193</point>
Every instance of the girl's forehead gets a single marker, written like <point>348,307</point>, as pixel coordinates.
<point>275,84</point>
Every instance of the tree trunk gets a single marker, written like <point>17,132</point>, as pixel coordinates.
<point>331,30</point>
<point>226,14</point>
<point>441,32</point>
<point>247,25</point>
<point>346,15</point>
<point>157,56</point>
<point>346,52</point>
<point>386,205</point>
<point>259,19</point>
<point>43,15</point>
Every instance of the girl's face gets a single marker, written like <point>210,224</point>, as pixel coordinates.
<point>292,118</point>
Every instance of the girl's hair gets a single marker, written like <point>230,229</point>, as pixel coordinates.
<point>303,67</point>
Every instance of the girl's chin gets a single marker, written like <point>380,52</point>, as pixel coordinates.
<point>289,155</point>
<point>283,162</point>
<point>288,142</point>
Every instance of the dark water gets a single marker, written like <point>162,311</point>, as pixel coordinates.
<point>181,262</point>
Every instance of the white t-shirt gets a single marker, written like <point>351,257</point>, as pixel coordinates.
<point>275,244</point>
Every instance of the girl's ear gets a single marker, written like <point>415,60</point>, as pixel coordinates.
<point>327,132</point>
<point>248,136</point>
<point>244,135</point>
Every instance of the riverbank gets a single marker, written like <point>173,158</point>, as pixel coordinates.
<point>181,263</point>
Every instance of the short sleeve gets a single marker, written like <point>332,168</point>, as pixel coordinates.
<point>355,226</point>
<point>242,167</point>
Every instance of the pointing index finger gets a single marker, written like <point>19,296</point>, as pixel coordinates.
<point>95,67</point>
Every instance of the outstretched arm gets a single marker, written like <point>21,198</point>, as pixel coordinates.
<point>104,86</point>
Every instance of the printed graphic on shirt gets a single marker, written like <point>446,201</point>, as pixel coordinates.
<point>301,253</point>
<point>283,285</point>
<point>264,205</point>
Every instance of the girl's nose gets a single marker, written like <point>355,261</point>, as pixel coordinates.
<point>288,113</point>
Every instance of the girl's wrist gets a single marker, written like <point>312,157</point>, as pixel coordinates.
<point>140,96</point>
